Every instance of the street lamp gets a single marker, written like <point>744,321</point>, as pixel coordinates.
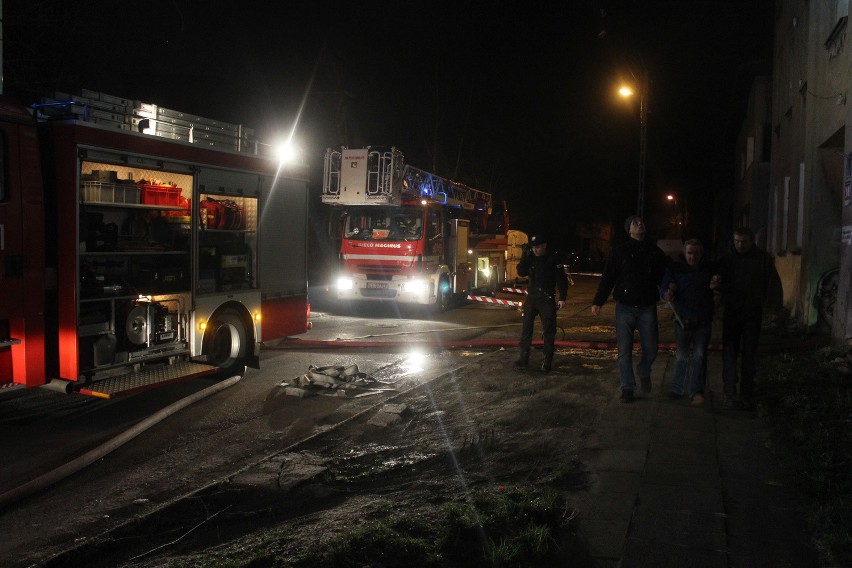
<point>643,134</point>
<point>678,218</point>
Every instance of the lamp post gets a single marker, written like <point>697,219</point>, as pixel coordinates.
<point>679,213</point>
<point>674,219</point>
<point>643,135</point>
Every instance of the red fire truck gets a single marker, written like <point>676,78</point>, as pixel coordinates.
<point>408,235</point>
<point>141,245</point>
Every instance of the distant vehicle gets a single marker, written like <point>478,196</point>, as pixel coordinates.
<point>408,235</point>
<point>585,262</point>
<point>141,245</point>
<point>572,259</point>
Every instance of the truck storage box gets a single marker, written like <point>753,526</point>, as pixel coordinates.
<point>101,192</point>
<point>160,195</point>
<point>162,280</point>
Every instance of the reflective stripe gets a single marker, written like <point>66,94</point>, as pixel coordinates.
<point>490,300</point>
<point>375,257</point>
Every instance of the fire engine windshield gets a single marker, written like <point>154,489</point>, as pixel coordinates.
<point>384,224</point>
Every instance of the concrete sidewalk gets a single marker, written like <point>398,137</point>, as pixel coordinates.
<point>677,485</point>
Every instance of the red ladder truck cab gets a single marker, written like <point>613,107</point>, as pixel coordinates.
<point>141,246</point>
<point>408,235</point>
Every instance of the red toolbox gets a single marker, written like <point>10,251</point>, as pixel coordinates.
<point>160,195</point>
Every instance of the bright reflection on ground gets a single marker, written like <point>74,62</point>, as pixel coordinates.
<point>438,413</point>
<point>414,362</point>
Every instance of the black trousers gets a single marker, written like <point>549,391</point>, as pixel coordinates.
<point>740,334</point>
<point>544,307</point>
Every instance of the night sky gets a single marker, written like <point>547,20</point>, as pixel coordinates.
<point>508,97</point>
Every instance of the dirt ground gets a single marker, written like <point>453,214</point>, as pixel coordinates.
<point>487,426</point>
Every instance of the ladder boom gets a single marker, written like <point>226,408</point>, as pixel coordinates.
<point>368,176</point>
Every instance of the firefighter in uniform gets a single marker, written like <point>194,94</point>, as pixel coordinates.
<point>546,293</point>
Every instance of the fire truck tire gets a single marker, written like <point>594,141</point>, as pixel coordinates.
<point>228,345</point>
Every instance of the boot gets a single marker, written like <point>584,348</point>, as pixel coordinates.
<point>548,363</point>
<point>523,360</point>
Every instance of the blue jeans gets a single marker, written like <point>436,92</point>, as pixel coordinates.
<point>627,320</point>
<point>690,376</point>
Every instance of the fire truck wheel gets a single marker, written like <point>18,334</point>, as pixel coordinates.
<point>227,345</point>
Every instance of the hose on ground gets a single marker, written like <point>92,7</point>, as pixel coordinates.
<point>86,459</point>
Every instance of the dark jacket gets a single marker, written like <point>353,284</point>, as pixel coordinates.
<point>633,274</point>
<point>750,280</point>
<point>693,299</point>
<point>545,273</point>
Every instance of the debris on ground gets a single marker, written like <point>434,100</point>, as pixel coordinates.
<point>335,380</point>
<point>389,415</point>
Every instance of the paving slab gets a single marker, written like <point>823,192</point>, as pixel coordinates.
<point>641,553</point>
<point>671,484</point>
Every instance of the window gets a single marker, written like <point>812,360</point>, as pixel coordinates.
<point>772,238</point>
<point>4,196</point>
<point>800,214</point>
<point>847,181</point>
<point>785,213</point>
<point>749,151</point>
<point>384,224</point>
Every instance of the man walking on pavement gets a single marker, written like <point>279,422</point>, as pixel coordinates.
<point>687,286</point>
<point>633,275</point>
<point>748,281</point>
<point>546,279</point>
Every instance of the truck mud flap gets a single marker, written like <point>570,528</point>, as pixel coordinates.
<point>148,378</point>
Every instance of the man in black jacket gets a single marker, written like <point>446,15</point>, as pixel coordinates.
<point>749,281</point>
<point>633,275</point>
<point>546,279</point>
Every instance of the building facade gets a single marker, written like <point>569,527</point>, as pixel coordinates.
<point>803,212</point>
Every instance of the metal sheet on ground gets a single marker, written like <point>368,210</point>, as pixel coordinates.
<point>129,383</point>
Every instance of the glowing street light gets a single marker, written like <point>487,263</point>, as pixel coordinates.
<point>678,215</point>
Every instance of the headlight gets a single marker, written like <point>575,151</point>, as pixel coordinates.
<point>344,283</point>
<point>414,286</point>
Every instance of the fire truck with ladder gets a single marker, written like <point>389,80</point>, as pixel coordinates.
<point>408,235</point>
<point>141,245</point>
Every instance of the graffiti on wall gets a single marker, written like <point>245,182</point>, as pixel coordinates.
<point>825,297</point>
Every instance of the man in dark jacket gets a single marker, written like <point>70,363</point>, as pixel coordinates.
<point>546,280</point>
<point>633,275</point>
<point>748,281</point>
<point>687,286</point>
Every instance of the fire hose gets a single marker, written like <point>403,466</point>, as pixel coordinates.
<point>95,454</point>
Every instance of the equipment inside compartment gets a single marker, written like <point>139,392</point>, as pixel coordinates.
<point>139,243</point>
<point>138,326</point>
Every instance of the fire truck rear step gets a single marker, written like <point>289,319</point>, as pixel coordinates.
<point>145,379</point>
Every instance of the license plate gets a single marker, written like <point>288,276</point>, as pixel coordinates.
<point>377,285</point>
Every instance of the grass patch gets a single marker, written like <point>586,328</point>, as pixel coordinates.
<point>496,528</point>
<point>808,398</point>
